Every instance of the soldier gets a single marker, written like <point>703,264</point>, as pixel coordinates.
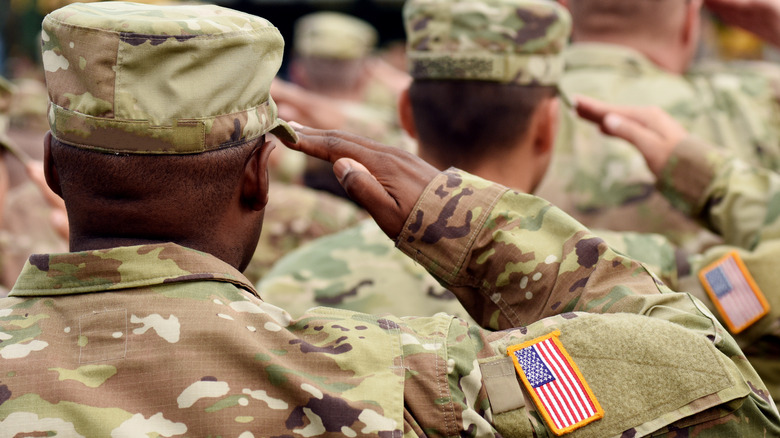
<point>149,327</point>
<point>504,134</point>
<point>735,200</point>
<point>638,53</point>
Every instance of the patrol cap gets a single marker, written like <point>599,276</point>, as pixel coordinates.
<point>333,35</point>
<point>146,79</point>
<point>506,41</point>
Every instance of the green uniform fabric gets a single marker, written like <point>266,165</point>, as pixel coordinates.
<point>605,183</point>
<point>353,269</point>
<point>160,339</point>
<point>741,203</point>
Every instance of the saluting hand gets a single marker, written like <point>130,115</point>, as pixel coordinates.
<point>654,132</point>
<point>386,181</point>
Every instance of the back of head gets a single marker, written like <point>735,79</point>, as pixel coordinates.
<point>480,70</point>
<point>330,49</point>
<point>636,18</point>
<point>148,102</point>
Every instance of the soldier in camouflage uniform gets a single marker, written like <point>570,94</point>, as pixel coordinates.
<point>134,335</point>
<point>353,268</point>
<point>737,201</point>
<point>637,53</point>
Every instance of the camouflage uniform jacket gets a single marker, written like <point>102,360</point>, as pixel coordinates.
<point>162,339</point>
<point>605,183</point>
<point>741,203</point>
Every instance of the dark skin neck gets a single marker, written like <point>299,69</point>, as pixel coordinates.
<point>228,230</point>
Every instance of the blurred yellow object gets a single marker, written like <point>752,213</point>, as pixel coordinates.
<point>735,44</point>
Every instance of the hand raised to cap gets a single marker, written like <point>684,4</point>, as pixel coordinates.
<point>654,132</point>
<point>386,181</point>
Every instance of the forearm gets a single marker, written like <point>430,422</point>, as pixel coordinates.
<point>513,259</point>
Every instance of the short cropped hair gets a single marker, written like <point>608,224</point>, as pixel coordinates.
<point>463,122</point>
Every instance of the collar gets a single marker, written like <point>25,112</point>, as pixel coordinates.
<point>122,268</point>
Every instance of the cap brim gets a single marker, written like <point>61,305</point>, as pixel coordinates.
<point>283,131</point>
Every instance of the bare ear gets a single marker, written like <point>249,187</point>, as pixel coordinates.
<point>255,184</point>
<point>406,114</point>
<point>49,168</point>
<point>547,126</point>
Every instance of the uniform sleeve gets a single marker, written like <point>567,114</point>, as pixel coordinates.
<point>514,260</point>
<point>742,203</point>
<point>738,201</point>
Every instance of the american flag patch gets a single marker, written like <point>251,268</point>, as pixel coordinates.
<point>555,383</point>
<point>734,292</point>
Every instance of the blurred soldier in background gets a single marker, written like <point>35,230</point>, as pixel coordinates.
<point>738,202</point>
<point>344,86</point>
<point>637,53</point>
<point>499,125</point>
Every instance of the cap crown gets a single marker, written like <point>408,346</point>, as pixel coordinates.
<point>334,35</point>
<point>507,41</point>
<point>137,78</point>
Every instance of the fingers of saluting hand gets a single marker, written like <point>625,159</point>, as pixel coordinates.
<point>386,180</point>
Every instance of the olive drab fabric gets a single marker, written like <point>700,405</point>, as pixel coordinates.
<point>741,203</point>
<point>294,216</point>
<point>167,340</point>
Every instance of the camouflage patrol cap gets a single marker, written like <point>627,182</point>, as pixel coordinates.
<point>507,41</point>
<point>145,79</point>
<point>333,35</point>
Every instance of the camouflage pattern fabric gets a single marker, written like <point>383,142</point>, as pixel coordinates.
<point>605,183</point>
<point>294,216</point>
<point>114,71</point>
<point>354,269</point>
<point>82,332</point>
<point>741,203</point>
<point>486,40</point>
